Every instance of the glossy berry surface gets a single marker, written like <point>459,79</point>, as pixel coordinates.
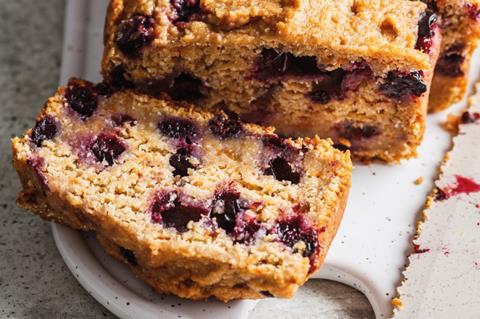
<point>119,78</point>
<point>473,11</point>
<point>246,230</point>
<point>295,229</point>
<point>184,10</point>
<point>226,125</point>
<point>134,34</point>
<point>83,99</point>
<point>469,117</point>
<point>186,87</point>
<point>281,169</point>
<point>178,128</point>
<point>107,148</point>
<point>171,212</point>
<point>45,129</point>
<point>451,62</point>
<point>335,84</point>
<point>272,64</point>
<point>427,27</point>
<point>225,209</point>
<point>180,162</point>
<point>356,131</point>
<point>402,86</point>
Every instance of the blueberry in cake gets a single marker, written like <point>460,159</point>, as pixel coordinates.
<point>460,24</point>
<point>358,72</point>
<point>198,204</point>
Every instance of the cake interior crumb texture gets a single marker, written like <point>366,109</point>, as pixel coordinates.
<point>198,204</point>
<point>460,20</point>
<point>358,72</point>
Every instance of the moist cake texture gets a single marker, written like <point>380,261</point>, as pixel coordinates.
<point>358,71</point>
<point>460,24</point>
<point>198,204</point>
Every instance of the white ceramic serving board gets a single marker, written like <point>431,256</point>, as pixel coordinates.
<point>448,253</point>
<point>368,253</point>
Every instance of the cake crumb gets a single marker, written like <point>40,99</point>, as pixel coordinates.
<point>451,123</point>
<point>397,303</point>
<point>418,181</point>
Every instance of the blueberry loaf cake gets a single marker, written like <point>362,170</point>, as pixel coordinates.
<point>198,204</point>
<point>358,72</point>
<point>460,23</point>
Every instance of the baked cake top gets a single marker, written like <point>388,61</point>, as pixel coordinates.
<point>380,29</point>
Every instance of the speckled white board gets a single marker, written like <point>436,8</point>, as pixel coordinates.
<point>443,278</point>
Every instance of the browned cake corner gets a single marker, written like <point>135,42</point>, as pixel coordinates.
<point>358,72</point>
<point>198,204</point>
<point>460,22</point>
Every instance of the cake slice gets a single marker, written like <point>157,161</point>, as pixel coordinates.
<point>197,203</point>
<point>355,71</point>
<point>460,34</point>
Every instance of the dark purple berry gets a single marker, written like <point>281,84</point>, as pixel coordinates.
<point>320,96</point>
<point>154,87</point>
<point>440,194</point>
<point>226,125</point>
<point>469,117</point>
<point>402,86</point>
<point>184,10</point>
<point>274,141</point>
<point>82,98</point>
<point>451,62</point>
<point>37,163</point>
<point>296,229</point>
<point>121,118</point>
<point>175,127</point>
<point>161,202</point>
<point>281,169</point>
<point>104,89</point>
<point>271,64</point>
<point>353,78</point>
<point>119,78</point>
<point>225,209</point>
<point>129,256</point>
<point>431,4</point>
<point>356,131</point>
<point>426,31</point>
<point>246,230</point>
<point>473,11</point>
<point>335,84</point>
<point>134,34</point>
<point>45,129</point>
<point>171,212</point>
<point>266,293</point>
<point>186,87</point>
<point>107,148</point>
<point>341,147</point>
<point>180,162</point>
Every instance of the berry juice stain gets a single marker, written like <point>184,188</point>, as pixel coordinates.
<point>463,185</point>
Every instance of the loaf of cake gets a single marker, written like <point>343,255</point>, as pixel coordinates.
<point>198,204</point>
<point>460,23</point>
<point>358,72</point>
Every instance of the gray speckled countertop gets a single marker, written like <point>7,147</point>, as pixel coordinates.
<point>34,281</point>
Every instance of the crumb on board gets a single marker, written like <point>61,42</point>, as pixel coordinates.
<point>397,303</point>
<point>451,123</point>
<point>418,181</point>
